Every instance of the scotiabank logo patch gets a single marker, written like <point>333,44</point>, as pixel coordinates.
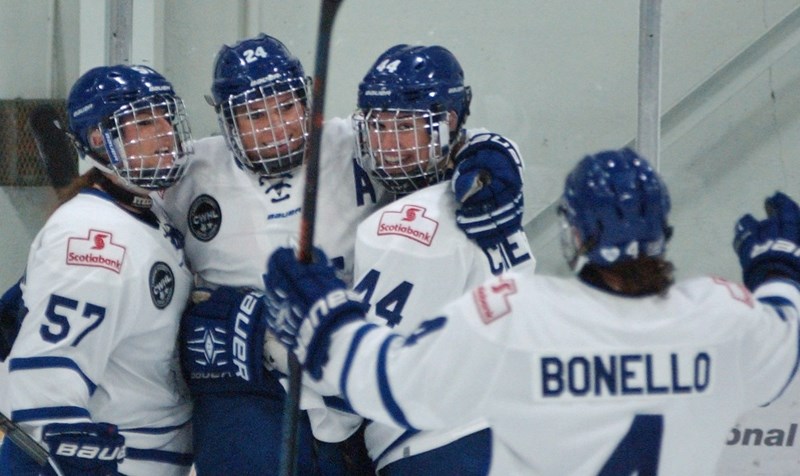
<point>492,299</point>
<point>409,222</point>
<point>98,250</point>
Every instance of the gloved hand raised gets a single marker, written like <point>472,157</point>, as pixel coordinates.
<point>306,303</point>
<point>488,183</point>
<point>769,248</point>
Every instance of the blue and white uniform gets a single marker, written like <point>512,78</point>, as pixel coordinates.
<point>411,258</point>
<point>105,290</point>
<point>595,369</point>
<point>234,219</point>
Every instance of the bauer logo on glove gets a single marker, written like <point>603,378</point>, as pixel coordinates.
<point>222,339</point>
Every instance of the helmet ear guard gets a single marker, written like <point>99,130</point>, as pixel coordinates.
<point>440,138</point>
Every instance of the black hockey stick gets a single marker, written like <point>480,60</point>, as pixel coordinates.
<point>292,408</point>
<point>55,150</point>
<point>27,444</point>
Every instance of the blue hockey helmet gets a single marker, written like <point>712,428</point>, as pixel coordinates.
<point>614,209</point>
<point>259,90</point>
<point>422,78</point>
<point>423,82</point>
<point>117,101</point>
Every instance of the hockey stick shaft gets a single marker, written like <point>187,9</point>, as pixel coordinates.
<point>291,417</point>
<point>327,16</point>
<point>27,444</point>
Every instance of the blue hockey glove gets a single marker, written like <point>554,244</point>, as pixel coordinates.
<point>769,247</point>
<point>85,448</point>
<point>222,344</point>
<point>292,290</point>
<point>488,183</point>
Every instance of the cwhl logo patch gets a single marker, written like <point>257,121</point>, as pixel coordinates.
<point>409,222</point>
<point>492,299</point>
<point>162,284</point>
<point>97,249</point>
<point>205,218</point>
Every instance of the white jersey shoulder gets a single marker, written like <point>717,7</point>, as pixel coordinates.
<point>233,219</point>
<point>412,249</point>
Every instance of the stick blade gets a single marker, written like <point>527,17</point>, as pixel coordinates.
<point>55,151</point>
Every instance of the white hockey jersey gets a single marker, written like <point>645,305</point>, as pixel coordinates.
<point>411,259</point>
<point>233,220</point>
<point>105,291</point>
<point>577,381</point>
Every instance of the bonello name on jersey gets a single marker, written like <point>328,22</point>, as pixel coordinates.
<point>628,374</point>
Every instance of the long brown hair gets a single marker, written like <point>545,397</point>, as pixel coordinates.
<point>88,179</point>
<point>642,276</point>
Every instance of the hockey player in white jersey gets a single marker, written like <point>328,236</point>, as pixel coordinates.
<point>94,371</point>
<point>410,256</point>
<point>241,199</point>
<point>618,372</point>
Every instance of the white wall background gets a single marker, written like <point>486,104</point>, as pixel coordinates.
<point>557,77</point>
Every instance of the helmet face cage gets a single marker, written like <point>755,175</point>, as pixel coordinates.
<point>571,247</point>
<point>260,93</point>
<point>144,136</point>
<point>405,150</point>
<point>267,127</point>
<point>148,141</point>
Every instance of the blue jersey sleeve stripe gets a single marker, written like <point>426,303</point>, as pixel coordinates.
<point>156,430</point>
<point>49,413</point>
<point>777,303</point>
<point>793,373</point>
<point>36,363</point>
<point>160,456</point>
<point>351,353</point>
<point>385,389</point>
<point>338,404</point>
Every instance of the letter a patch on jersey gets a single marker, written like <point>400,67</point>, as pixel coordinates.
<point>410,222</point>
<point>492,299</point>
<point>97,249</point>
